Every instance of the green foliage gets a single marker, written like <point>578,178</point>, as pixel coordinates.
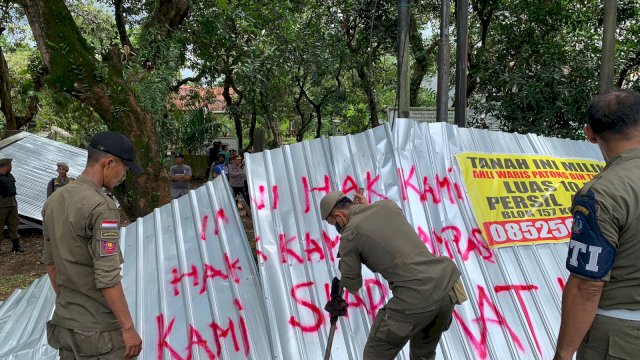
<point>534,65</point>
<point>540,63</point>
<point>60,111</point>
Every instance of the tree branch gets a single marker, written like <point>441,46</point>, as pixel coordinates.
<point>168,16</point>
<point>304,123</point>
<point>34,101</point>
<point>120,25</point>
<point>196,78</point>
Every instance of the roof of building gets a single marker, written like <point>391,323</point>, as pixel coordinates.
<point>34,165</point>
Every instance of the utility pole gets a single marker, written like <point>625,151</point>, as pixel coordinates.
<point>608,45</point>
<point>462,48</point>
<point>403,59</point>
<point>442,95</point>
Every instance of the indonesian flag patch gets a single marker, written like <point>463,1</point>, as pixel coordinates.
<point>109,224</point>
<point>107,247</point>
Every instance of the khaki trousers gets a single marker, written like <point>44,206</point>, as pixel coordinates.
<point>84,345</point>
<point>9,217</point>
<point>392,329</point>
<point>611,338</point>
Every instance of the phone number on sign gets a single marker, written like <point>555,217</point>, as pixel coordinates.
<point>526,231</point>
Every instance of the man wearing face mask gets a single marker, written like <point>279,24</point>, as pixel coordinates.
<point>380,237</point>
<point>81,229</point>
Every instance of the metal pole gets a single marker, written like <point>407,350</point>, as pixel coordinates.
<point>608,45</point>
<point>442,95</point>
<point>462,48</point>
<point>403,59</point>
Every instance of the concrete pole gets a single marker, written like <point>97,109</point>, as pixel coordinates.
<point>608,45</point>
<point>462,48</point>
<point>403,59</point>
<point>442,95</point>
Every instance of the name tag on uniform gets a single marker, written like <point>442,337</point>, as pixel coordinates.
<point>109,234</point>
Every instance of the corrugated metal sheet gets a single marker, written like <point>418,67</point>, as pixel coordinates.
<point>189,270</point>
<point>34,164</point>
<point>193,288</point>
<point>297,261</point>
<point>190,280</point>
<point>22,322</point>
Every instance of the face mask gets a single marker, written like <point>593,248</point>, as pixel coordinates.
<point>338,227</point>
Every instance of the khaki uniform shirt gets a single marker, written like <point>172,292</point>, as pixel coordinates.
<point>380,237</point>
<point>81,238</point>
<point>617,197</point>
<point>56,183</point>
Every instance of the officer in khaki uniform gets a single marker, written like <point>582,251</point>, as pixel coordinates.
<point>379,236</point>
<point>601,300</point>
<point>82,253</point>
<point>9,206</point>
<point>61,180</point>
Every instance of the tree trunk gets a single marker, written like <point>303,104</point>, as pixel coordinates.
<point>233,107</point>
<point>304,123</point>
<point>73,68</point>
<point>252,129</point>
<point>422,59</point>
<point>15,122</point>
<point>318,109</point>
<point>5,97</point>
<point>272,124</point>
<point>367,87</point>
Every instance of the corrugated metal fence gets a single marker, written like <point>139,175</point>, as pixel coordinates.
<point>515,292</point>
<point>190,281</point>
<point>194,290</point>
<point>189,275</point>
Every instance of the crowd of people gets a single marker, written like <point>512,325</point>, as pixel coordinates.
<point>227,162</point>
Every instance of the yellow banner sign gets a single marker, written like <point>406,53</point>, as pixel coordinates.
<point>523,199</point>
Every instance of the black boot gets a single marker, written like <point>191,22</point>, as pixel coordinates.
<point>17,249</point>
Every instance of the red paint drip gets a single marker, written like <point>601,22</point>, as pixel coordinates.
<point>203,228</point>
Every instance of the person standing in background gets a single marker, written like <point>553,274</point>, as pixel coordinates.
<point>61,180</point>
<point>180,175</point>
<point>9,206</point>
<point>237,177</point>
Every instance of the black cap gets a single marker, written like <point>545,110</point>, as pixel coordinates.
<point>117,145</point>
<point>179,155</point>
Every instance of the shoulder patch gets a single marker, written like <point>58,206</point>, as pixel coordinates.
<point>108,248</point>
<point>590,254</point>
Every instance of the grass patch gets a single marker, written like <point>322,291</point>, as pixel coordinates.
<point>9,283</point>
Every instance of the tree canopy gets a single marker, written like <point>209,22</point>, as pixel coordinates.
<point>153,69</point>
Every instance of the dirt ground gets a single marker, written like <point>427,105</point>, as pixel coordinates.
<point>19,271</point>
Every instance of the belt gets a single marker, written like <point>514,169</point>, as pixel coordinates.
<point>624,314</point>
